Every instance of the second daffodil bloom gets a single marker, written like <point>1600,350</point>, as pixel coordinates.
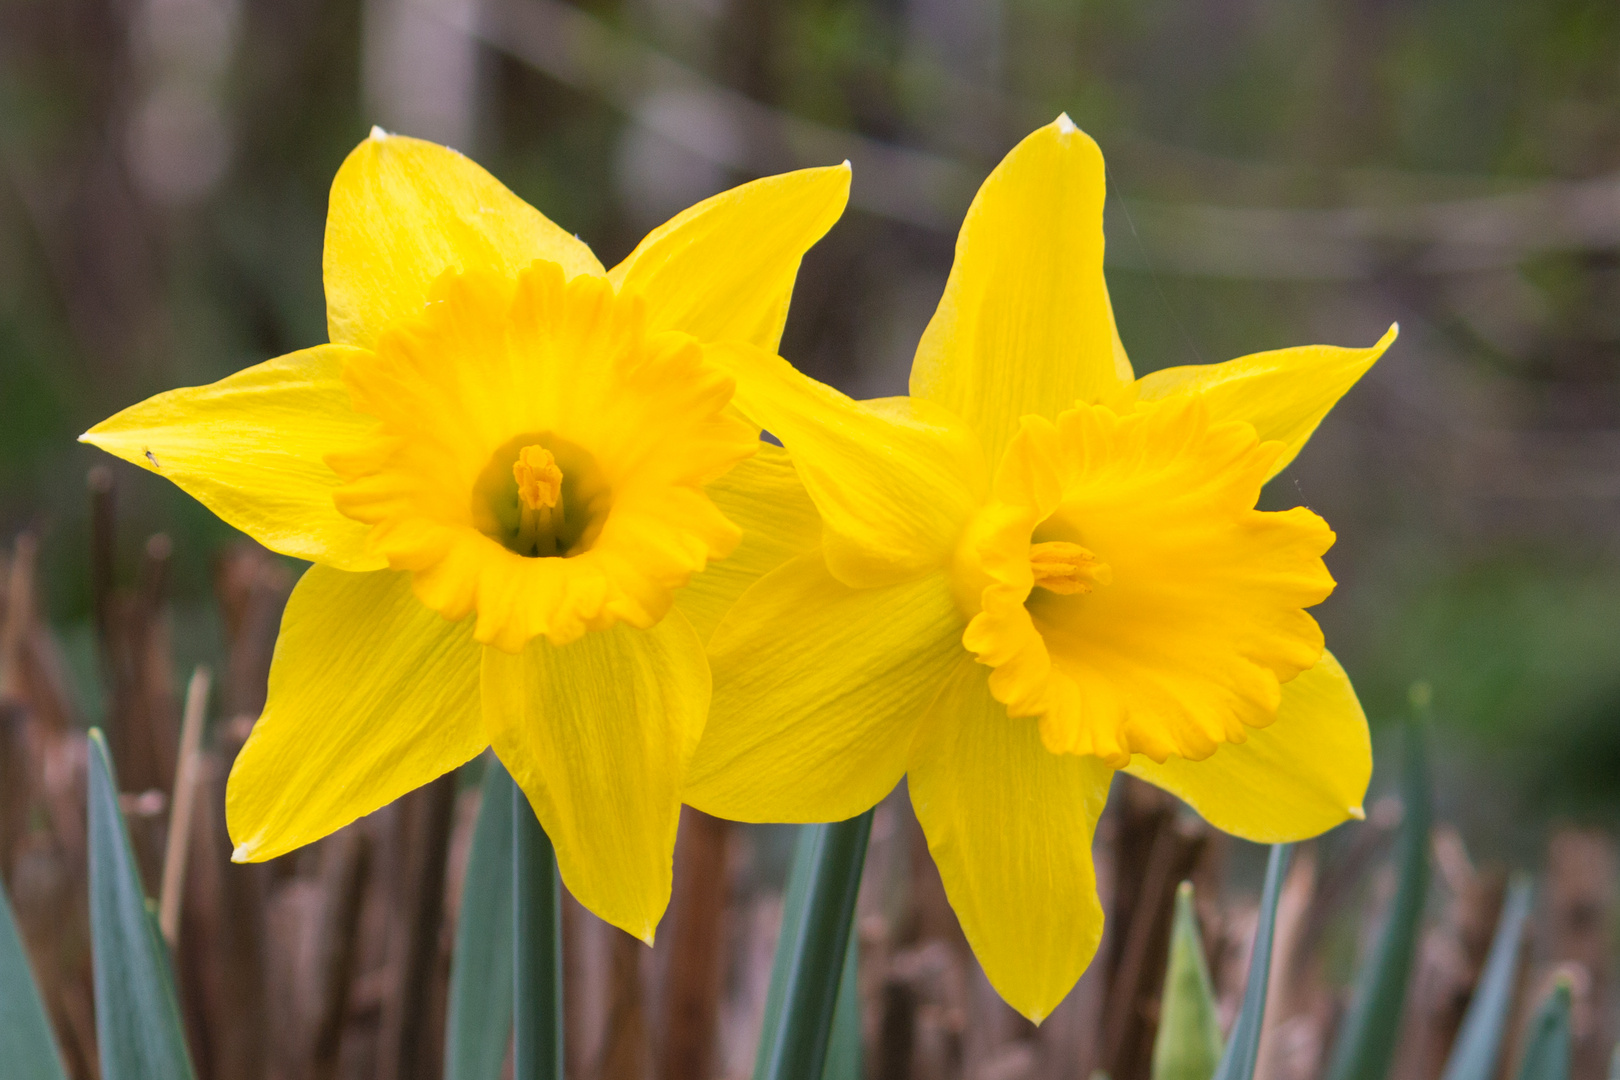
<point>1034,571</point>
<point>512,469</point>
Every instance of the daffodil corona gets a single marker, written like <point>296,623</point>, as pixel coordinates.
<point>512,470</point>
<point>1034,571</point>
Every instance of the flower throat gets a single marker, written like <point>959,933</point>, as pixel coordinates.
<point>541,497</point>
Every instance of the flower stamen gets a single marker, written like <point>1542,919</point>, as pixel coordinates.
<point>1066,568</point>
<point>539,484</point>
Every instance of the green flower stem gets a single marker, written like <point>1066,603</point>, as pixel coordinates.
<point>810,955</point>
<point>537,1032</point>
<point>478,1027</point>
<point>1243,1048</point>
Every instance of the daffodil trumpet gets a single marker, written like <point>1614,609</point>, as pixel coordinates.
<point>1033,572</point>
<point>527,497</point>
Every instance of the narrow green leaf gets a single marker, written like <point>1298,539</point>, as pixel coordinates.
<point>537,1031</point>
<point>479,1025</point>
<point>1366,1042</point>
<point>1479,1042</point>
<point>1547,1047</point>
<point>138,1025</point>
<point>1243,1050</point>
<point>1188,1046</point>
<point>810,954</point>
<point>844,1046</point>
<point>26,1043</point>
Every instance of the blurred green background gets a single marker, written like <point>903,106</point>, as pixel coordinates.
<point>1281,172</point>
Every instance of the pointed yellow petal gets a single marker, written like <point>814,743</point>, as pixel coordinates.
<point>371,695</point>
<point>724,269</point>
<point>894,479</point>
<point>1297,778</point>
<point>1010,825</point>
<point>599,734</point>
<point>762,496</point>
<point>1284,394</point>
<point>404,211</point>
<point>252,449</point>
<point>818,689</point>
<point>1025,324</point>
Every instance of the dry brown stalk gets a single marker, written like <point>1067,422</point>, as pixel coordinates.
<point>626,1052</point>
<point>411,1037</point>
<point>1156,849</point>
<point>695,929</point>
<point>177,849</point>
<point>347,859</point>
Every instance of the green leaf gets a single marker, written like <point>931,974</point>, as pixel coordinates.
<point>537,1030</point>
<point>26,1044</point>
<point>844,1045</point>
<point>138,1024</point>
<point>1237,1063</point>
<point>1547,1047</point>
<point>479,1025</point>
<point>1188,1046</point>
<point>810,954</point>
<point>1366,1042</point>
<point>1479,1042</point>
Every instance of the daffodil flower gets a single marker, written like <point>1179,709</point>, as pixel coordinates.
<point>1034,571</point>
<point>512,469</point>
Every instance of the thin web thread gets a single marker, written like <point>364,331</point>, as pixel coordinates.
<point>1119,200</point>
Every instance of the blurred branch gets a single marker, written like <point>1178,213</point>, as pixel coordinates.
<point>713,121</point>
<point>928,190</point>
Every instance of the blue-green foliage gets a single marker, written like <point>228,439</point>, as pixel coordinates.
<point>26,1045</point>
<point>811,954</point>
<point>1479,1044</point>
<point>138,1024</point>
<point>1366,1042</point>
<point>1243,1050</point>
<point>1547,1048</point>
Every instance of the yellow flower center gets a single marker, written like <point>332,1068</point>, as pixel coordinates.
<point>1126,592</point>
<point>538,479</point>
<point>539,459</point>
<point>539,484</point>
<point>1064,568</point>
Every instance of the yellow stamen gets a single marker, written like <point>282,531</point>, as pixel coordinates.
<point>1066,568</point>
<point>539,483</point>
<point>539,480</point>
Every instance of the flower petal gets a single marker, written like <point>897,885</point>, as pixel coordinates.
<point>724,269</point>
<point>818,689</point>
<point>895,479</point>
<point>371,696</point>
<point>1025,325</point>
<point>1010,825</point>
<point>762,495</point>
<point>404,211</point>
<point>1284,394</point>
<point>252,447</point>
<point>1297,778</point>
<point>598,734</point>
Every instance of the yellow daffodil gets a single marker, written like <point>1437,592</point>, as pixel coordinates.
<point>511,469</point>
<point>1034,571</point>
